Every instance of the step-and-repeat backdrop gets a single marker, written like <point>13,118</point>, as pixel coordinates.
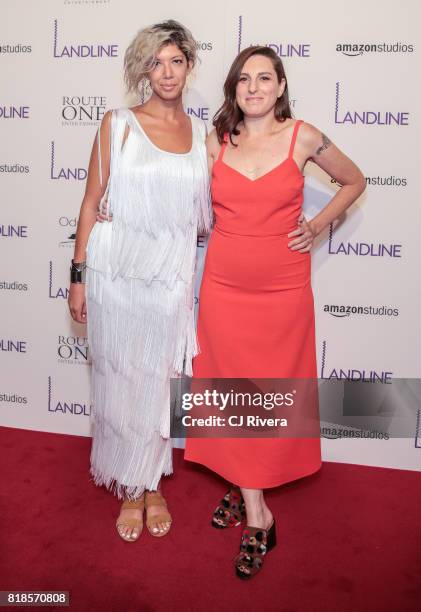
<point>354,72</point>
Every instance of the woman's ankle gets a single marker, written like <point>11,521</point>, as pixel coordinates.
<point>260,516</point>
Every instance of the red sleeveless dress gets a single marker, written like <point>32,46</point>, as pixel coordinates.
<point>256,314</point>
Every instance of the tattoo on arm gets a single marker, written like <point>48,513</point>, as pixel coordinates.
<point>325,144</point>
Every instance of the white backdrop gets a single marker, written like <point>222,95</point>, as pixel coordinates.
<point>353,70</point>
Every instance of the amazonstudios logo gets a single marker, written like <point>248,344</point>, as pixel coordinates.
<point>354,49</point>
<point>341,311</point>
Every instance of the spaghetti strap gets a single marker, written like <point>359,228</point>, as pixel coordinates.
<point>294,137</point>
<point>223,147</point>
<point>118,122</point>
<point>99,156</point>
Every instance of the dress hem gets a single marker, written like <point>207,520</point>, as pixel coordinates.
<point>269,484</point>
<point>122,491</point>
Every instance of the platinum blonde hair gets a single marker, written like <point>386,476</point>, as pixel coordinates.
<point>141,54</point>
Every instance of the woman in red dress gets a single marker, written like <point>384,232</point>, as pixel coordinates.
<point>256,313</point>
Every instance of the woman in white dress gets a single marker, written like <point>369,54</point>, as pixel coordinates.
<point>148,165</point>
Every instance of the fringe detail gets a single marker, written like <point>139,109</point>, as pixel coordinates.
<point>98,249</point>
<point>203,193</point>
<point>169,257</point>
<point>192,346</point>
<point>186,345</point>
<point>104,472</point>
<point>159,202</point>
<point>139,336</point>
<point>141,327</point>
<point>135,325</point>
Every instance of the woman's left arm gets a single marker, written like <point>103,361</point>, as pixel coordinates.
<point>317,147</point>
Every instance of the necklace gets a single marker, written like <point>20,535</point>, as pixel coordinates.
<point>254,170</point>
<point>250,167</point>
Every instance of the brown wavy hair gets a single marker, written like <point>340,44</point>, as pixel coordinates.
<point>229,115</point>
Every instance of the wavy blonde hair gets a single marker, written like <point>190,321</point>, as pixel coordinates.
<point>141,54</point>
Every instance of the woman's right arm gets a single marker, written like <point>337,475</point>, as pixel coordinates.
<point>96,183</point>
<point>212,149</point>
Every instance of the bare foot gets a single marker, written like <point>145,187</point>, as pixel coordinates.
<point>130,519</point>
<point>158,518</point>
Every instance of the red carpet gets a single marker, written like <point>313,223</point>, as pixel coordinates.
<point>349,538</point>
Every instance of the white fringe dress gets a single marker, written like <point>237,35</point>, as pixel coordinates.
<point>140,302</point>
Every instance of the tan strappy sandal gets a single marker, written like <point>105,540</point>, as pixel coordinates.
<point>133,523</point>
<point>154,498</point>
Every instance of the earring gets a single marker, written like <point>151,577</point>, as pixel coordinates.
<point>144,90</point>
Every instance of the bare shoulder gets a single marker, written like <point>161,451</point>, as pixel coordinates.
<point>197,124</point>
<point>139,109</point>
<point>212,139</point>
<point>212,144</point>
<point>308,135</point>
<point>312,140</point>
